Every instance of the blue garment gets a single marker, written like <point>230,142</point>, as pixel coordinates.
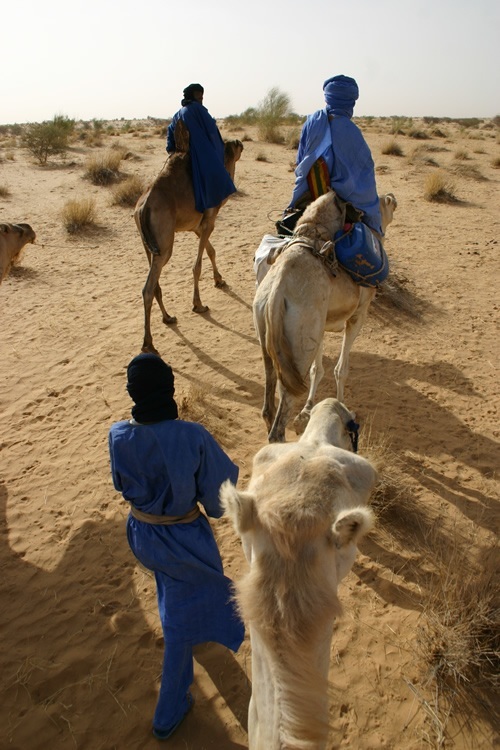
<point>211,181</point>
<point>347,155</point>
<point>165,468</point>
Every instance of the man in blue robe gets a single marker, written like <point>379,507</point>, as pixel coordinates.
<point>166,468</point>
<point>211,181</point>
<point>331,134</point>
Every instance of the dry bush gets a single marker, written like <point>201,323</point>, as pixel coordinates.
<point>196,406</point>
<point>417,134</point>
<point>128,192</point>
<point>261,157</point>
<point>459,635</point>
<point>78,214</point>
<point>496,162</point>
<point>293,139</point>
<point>4,191</point>
<point>469,171</point>
<point>461,155</point>
<point>104,168</point>
<point>392,148</point>
<point>439,188</point>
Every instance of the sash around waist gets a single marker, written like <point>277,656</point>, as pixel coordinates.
<point>191,515</point>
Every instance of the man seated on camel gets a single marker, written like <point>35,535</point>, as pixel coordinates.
<point>211,181</point>
<point>333,152</point>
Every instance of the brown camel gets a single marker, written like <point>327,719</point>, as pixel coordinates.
<point>13,239</point>
<point>167,207</point>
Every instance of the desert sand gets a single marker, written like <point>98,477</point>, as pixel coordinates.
<point>81,640</point>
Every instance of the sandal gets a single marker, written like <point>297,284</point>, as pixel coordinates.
<point>165,734</point>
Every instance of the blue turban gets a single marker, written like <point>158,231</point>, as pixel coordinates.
<point>341,93</point>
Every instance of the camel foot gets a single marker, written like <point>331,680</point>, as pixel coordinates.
<point>169,320</point>
<point>220,283</point>
<point>200,309</point>
<point>300,422</point>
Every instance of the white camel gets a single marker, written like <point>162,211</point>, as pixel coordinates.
<point>299,520</point>
<point>298,300</point>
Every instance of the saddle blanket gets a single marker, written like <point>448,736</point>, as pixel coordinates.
<point>269,247</point>
<point>362,255</point>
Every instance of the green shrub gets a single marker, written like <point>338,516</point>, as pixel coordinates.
<point>46,139</point>
<point>271,112</point>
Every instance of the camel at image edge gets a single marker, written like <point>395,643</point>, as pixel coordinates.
<point>299,520</point>
<point>167,207</point>
<point>13,240</point>
<point>296,302</point>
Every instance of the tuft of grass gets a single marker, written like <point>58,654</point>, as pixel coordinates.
<point>496,162</point>
<point>469,171</point>
<point>461,155</point>
<point>439,188</point>
<point>261,157</point>
<point>392,148</point>
<point>459,635</point>
<point>197,406</point>
<point>104,168</point>
<point>78,214</point>
<point>4,191</point>
<point>128,192</point>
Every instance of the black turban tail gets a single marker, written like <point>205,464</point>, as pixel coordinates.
<point>150,384</point>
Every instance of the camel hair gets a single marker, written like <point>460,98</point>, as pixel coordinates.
<point>296,302</point>
<point>167,207</point>
<point>300,519</point>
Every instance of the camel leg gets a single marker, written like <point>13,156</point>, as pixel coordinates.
<point>352,328</point>
<point>316,375</point>
<point>152,290</point>
<point>203,233</point>
<point>277,433</point>
<point>218,280</point>
<point>269,408</point>
<point>167,319</point>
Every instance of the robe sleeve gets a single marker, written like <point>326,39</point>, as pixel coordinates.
<point>214,468</point>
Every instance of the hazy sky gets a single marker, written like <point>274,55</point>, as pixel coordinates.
<point>107,59</point>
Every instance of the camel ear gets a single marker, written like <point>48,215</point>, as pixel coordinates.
<point>239,506</point>
<point>352,525</point>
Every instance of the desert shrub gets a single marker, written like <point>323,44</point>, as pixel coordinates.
<point>399,125</point>
<point>245,137</point>
<point>469,171</point>
<point>128,192</point>
<point>4,191</point>
<point>261,156</point>
<point>461,154</point>
<point>468,122</point>
<point>293,138</point>
<point>47,138</point>
<point>104,168</point>
<point>271,112</point>
<point>392,148</point>
<point>496,162</point>
<point>439,187</point>
<point>10,156</point>
<point>78,214</point>
<point>419,135</point>
<point>458,637</point>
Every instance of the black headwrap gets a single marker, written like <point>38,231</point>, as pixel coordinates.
<point>150,384</point>
<point>189,91</point>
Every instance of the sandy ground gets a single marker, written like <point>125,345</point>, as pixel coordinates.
<point>81,642</point>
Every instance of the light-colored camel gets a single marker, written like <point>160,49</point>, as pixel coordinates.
<point>297,301</point>
<point>13,239</point>
<point>167,207</point>
<point>299,521</point>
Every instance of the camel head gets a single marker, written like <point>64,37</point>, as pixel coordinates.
<point>388,205</point>
<point>232,153</point>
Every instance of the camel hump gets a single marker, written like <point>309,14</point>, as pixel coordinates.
<point>181,136</point>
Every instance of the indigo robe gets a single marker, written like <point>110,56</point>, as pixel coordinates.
<point>340,142</point>
<point>211,181</point>
<point>165,469</point>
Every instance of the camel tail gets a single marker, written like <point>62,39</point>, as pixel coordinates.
<point>278,346</point>
<point>147,235</point>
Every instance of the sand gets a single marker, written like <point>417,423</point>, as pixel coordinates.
<point>81,640</point>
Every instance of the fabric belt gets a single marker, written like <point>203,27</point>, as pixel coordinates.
<point>192,515</point>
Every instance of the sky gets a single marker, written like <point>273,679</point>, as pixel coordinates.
<point>106,59</point>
